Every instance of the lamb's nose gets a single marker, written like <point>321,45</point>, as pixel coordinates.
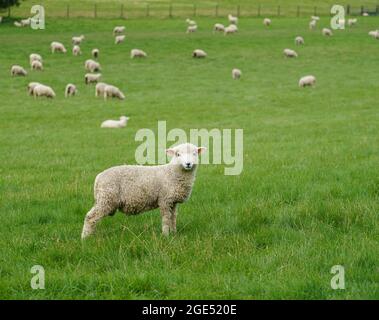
<point>188,164</point>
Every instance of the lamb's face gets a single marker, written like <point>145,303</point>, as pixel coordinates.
<point>186,155</point>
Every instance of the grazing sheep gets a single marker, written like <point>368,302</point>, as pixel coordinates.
<point>137,53</point>
<point>315,18</point>
<point>230,29</point>
<point>57,47</point>
<point>191,29</point>
<point>119,39</point>
<point>136,189</point>
<point>70,90</point>
<point>76,51</point>
<point>299,40</point>
<point>232,20</point>
<point>198,53</point>
<point>25,22</point>
<point>92,78</point>
<point>18,71</point>
<point>77,40</point>
<point>31,87</point>
<point>307,81</point>
<point>218,27</point>
<point>92,66</point>
<point>352,22</point>
<point>95,53</point>
<point>289,53</point>
<point>236,74</point>
<point>41,90</point>
<point>312,24</point>
<point>99,90</point>
<point>374,34</point>
<point>191,22</point>
<point>17,24</point>
<point>267,22</point>
<point>34,57</point>
<point>118,30</point>
<point>37,65</point>
<point>365,14</point>
<point>327,32</point>
<point>115,123</point>
<point>113,92</point>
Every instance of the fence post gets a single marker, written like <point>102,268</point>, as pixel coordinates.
<point>259,10</point>
<point>216,10</point>
<point>315,11</point>
<point>278,11</point>
<point>377,9</point>
<point>170,10</point>
<point>122,11</point>
<point>194,10</point>
<point>362,10</point>
<point>298,11</point>
<point>68,11</point>
<point>238,10</point>
<point>9,12</point>
<point>147,10</point>
<point>95,10</point>
<point>348,9</point>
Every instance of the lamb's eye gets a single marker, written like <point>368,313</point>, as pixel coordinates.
<point>178,154</point>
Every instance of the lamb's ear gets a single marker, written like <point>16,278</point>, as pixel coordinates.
<point>201,150</point>
<point>170,152</point>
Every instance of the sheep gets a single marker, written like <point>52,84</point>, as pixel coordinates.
<point>77,40</point>
<point>70,90</point>
<point>342,23</point>
<point>18,71</point>
<point>299,40</point>
<point>37,65</point>
<point>76,51</point>
<point>191,29</point>
<point>267,22</point>
<point>34,57</point>
<point>289,53</point>
<point>17,24</point>
<point>232,20</point>
<point>92,66</point>
<point>230,29</point>
<point>135,189</point>
<point>25,22</point>
<point>113,92</point>
<point>118,30</point>
<point>365,14</point>
<point>41,90</point>
<point>307,81</point>
<point>191,22</point>
<point>198,53</point>
<point>374,34</point>
<point>236,74</point>
<point>315,18</point>
<point>99,89</point>
<point>95,53</point>
<point>137,53</point>
<point>119,39</point>
<point>57,47</point>
<point>352,22</point>
<point>327,32</point>
<point>92,78</point>
<point>218,27</point>
<point>312,24</point>
<point>31,87</point>
<point>115,123</point>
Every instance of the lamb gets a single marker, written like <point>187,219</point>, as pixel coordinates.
<point>230,29</point>
<point>299,40</point>
<point>232,20</point>
<point>236,74</point>
<point>327,32</point>
<point>76,51</point>
<point>289,53</point>
<point>25,22</point>
<point>77,40</point>
<point>307,81</point>
<point>92,78</point>
<point>37,65</point>
<point>119,39</point>
<point>267,22</point>
<point>374,34</point>
<point>115,123</point>
<point>191,22</point>
<point>191,29</point>
<point>57,47</point>
<point>365,14</point>
<point>113,92</point>
<point>218,27</point>
<point>31,87</point>
<point>315,18</point>
<point>18,71</point>
<point>70,90</point>
<point>198,53</point>
<point>312,24</point>
<point>134,189</point>
<point>99,89</point>
<point>118,30</point>
<point>352,22</point>
<point>95,53</point>
<point>17,24</point>
<point>33,57</point>
<point>41,90</point>
<point>92,66</point>
<point>137,53</point>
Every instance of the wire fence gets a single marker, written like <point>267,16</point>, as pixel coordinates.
<point>114,10</point>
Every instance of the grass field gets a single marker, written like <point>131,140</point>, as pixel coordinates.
<point>306,200</point>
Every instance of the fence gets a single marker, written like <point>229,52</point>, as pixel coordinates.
<point>117,10</point>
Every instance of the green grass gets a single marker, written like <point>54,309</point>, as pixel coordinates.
<point>306,200</point>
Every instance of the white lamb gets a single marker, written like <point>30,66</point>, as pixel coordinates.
<point>25,22</point>
<point>232,19</point>
<point>137,53</point>
<point>17,24</point>
<point>77,40</point>
<point>41,90</point>
<point>191,22</point>
<point>230,29</point>
<point>92,78</point>
<point>118,30</point>
<point>365,14</point>
<point>99,89</point>
<point>34,57</point>
<point>315,18</point>
<point>299,40</point>
<point>312,24</point>
<point>31,87</point>
<point>115,123</point>
<point>198,53</point>
<point>307,81</point>
<point>352,22</point>
<point>267,22</point>
<point>95,53</point>
<point>70,90</point>
<point>134,189</point>
<point>119,39</point>
<point>327,32</point>
<point>191,29</point>
<point>290,53</point>
<point>374,34</point>
<point>113,92</point>
<point>37,65</point>
<point>236,74</point>
<point>18,71</point>
<point>57,47</point>
<point>76,51</point>
<point>218,27</point>
<point>92,66</point>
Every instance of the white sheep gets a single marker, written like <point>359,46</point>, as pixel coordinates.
<point>92,78</point>
<point>218,27</point>
<point>374,34</point>
<point>191,22</point>
<point>118,30</point>
<point>113,92</point>
<point>290,53</point>
<point>232,19</point>
<point>198,53</point>
<point>35,56</point>
<point>37,65</point>
<point>92,66</point>
<point>267,22</point>
<point>31,87</point>
<point>352,22</point>
<point>57,47</point>
<point>365,14</point>
<point>25,22</point>
<point>41,90</point>
<point>99,89</point>
<point>17,24</point>
<point>119,39</point>
<point>327,32</point>
<point>136,189</point>
<point>70,90</point>
<point>95,53</point>
<point>236,74</point>
<point>307,81</point>
<point>137,53</point>
<point>230,29</point>
<point>299,40</point>
<point>317,18</point>
<point>115,123</point>
<point>17,70</point>
<point>76,51</point>
<point>77,40</point>
<point>191,29</point>
<point>312,24</point>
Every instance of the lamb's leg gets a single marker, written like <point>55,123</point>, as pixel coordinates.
<point>173,218</point>
<point>166,219</point>
<point>93,217</point>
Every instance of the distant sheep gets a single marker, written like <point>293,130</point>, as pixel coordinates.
<point>18,71</point>
<point>25,22</point>
<point>113,92</point>
<point>198,53</point>
<point>299,40</point>
<point>327,32</point>
<point>232,19</point>
<point>77,40</point>
<point>218,27</point>
<point>312,24</point>
<point>70,90</point>
<point>236,74</point>
<point>365,14</point>
<point>191,22</point>
<point>118,30</point>
<point>352,22</point>
<point>315,18</point>
<point>137,53</point>
<point>31,87</point>
<point>191,29</point>
<point>76,51</point>
<point>307,81</point>
<point>115,123</point>
<point>289,53</point>
<point>374,34</point>
<point>119,39</point>
<point>92,78</point>
<point>37,65</point>
<point>267,22</point>
<point>57,47</point>
<point>95,53</point>
<point>99,90</point>
<point>92,66</point>
<point>230,29</point>
<point>17,24</point>
<point>34,57</point>
<point>41,90</point>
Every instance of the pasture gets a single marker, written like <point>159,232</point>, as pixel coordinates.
<point>307,198</point>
